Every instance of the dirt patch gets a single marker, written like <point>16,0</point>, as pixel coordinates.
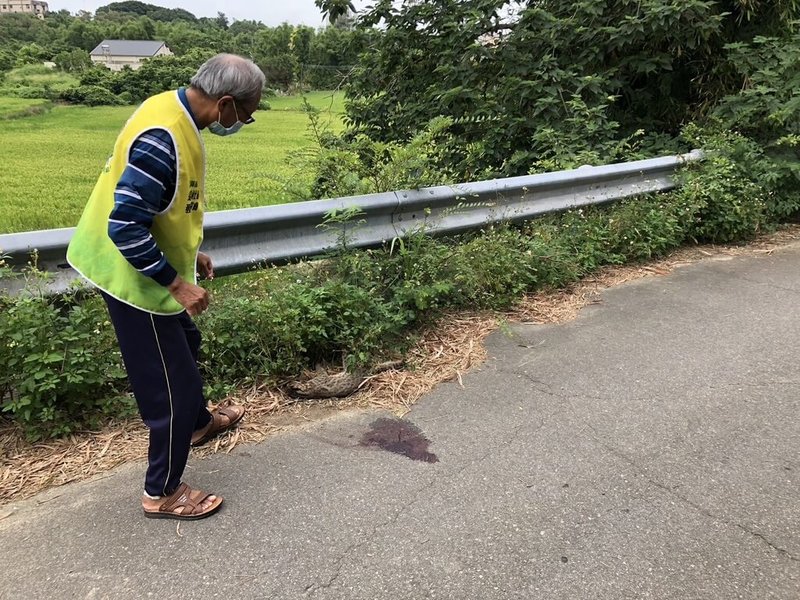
<point>444,353</point>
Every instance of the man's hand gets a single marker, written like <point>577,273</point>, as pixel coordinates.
<point>192,297</point>
<point>205,266</point>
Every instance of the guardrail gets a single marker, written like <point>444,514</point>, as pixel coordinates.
<point>240,239</point>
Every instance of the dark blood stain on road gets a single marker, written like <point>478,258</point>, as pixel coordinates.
<point>400,437</point>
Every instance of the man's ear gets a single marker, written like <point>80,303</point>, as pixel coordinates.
<point>221,102</point>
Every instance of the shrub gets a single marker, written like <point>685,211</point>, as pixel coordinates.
<point>32,92</point>
<point>59,365</point>
<point>730,190</point>
<point>766,110</point>
<point>7,60</point>
<point>91,95</point>
<point>353,166</point>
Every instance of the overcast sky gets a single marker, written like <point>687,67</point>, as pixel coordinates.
<point>270,12</point>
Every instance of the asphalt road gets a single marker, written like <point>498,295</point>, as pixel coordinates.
<point>648,449</point>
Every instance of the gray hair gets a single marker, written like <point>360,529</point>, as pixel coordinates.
<point>229,75</point>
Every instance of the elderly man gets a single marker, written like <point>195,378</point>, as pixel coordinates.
<point>138,242</point>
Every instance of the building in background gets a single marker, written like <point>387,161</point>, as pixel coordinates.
<point>116,54</point>
<point>31,7</point>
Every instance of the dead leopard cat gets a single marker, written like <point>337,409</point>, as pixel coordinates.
<point>336,385</point>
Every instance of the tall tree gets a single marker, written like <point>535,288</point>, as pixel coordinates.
<point>519,85</point>
<point>222,20</point>
<point>335,9</point>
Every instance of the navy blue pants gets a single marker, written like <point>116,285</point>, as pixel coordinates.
<point>160,355</point>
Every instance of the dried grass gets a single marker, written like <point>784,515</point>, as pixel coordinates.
<point>443,353</point>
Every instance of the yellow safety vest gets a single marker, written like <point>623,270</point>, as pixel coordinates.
<point>178,230</point>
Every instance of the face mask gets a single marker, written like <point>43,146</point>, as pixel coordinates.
<point>218,128</point>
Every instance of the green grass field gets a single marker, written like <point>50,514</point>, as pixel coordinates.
<point>50,162</point>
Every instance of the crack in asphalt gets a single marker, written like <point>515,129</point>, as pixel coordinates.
<point>548,389</point>
<point>755,384</point>
<point>597,439</point>
<point>312,588</point>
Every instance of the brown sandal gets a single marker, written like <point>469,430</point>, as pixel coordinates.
<point>233,413</point>
<point>190,500</point>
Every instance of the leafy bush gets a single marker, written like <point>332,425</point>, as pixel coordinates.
<point>730,191</point>
<point>73,61</point>
<point>100,86</point>
<point>32,55</point>
<point>767,110</point>
<point>353,166</point>
<point>97,75</point>
<point>91,95</point>
<point>7,60</point>
<point>158,74</point>
<point>33,92</point>
<point>59,365</point>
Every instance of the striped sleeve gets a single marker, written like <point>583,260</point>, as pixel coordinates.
<point>144,190</point>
